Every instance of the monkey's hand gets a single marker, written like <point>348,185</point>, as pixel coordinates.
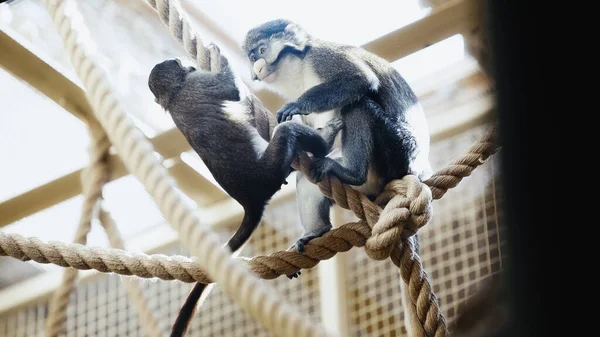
<point>288,111</point>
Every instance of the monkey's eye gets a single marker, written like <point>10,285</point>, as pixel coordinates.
<point>262,50</point>
<point>252,58</point>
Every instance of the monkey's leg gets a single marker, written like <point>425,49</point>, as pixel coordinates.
<point>330,131</point>
<point>252,216</point>
<point>313,208</point>
<point>357,149</point>
<point>289,139</point>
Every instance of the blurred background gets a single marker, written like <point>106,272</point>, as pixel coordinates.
<point>43,148</point>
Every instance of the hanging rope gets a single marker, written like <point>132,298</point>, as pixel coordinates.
<point>133,287</point>
<point>404,216</point>
<point>384,229</point>
<point>258,299</point>
<point>92,180</point>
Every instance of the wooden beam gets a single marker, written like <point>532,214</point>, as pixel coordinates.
<point>223,214</point>
<point>333,283</point>
<point>444,21</point>
<point>170,143</point>
<point>461,118</point>
<point>450,18</point>
<point>22,60</point>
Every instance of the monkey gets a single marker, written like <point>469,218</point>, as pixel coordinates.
<point>246,151</point>
<point>384,136</point>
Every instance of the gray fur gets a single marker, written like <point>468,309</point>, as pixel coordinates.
<point>385,134</point>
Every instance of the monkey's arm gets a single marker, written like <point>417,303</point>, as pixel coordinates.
<point>357,147</point>
<point>340,91</point>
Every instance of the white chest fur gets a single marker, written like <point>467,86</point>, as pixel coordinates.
<point>293,79</point>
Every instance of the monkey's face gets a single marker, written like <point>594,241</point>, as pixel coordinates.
<point>167,77</point>
<point>271,45</point>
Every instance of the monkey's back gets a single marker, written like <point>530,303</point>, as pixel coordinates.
<point>400,131</point>
<point>227,147</point>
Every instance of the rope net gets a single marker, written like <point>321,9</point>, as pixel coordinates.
<point>385,227</point>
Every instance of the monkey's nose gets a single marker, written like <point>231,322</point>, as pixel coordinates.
<point>258,67</point>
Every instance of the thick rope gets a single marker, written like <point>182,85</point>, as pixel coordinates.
<point>257,298</point>
<point>348,198</point>
<point>92,180</point>
<point>182,268</point>
<point>174,17</point>
<point>401,213</point>
<point>414,327</point>
<point>133,288</point>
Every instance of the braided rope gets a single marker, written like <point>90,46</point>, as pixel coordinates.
<point>133,288</point>
<point>185,269</point>
<point>92,180</point>
<point>410,212</point>
<point>257,298</point>
<point>339,239</point>
<point>174,17</point>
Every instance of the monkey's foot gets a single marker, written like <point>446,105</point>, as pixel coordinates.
<point>300,243</point>
<point>321,168</point>
<point>294,275</point>
<point>335,124</point>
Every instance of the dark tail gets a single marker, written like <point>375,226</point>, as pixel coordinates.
<point>187,311</point>
<point>252,217</point>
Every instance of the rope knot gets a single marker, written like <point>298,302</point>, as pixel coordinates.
<point>407,208</point>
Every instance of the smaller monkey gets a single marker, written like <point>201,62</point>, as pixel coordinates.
<point>237,138</point>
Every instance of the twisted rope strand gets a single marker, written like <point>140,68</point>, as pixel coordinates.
<point>183,268</point>
<point>257,298</point>
<point>400,220</point>
<point>168,199</point>
<point>92,180</point>
<point>147,320</point>
<point>339,239</point>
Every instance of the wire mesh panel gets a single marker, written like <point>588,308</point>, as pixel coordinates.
<point>102,308</point>
<point>459,247</point>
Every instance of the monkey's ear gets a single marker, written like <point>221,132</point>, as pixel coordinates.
<point>299,37</point>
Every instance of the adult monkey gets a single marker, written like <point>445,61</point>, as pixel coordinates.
<point>385,134</point>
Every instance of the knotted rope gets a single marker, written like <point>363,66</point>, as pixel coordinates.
<point>410,209</point>
<point>340,239</point>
